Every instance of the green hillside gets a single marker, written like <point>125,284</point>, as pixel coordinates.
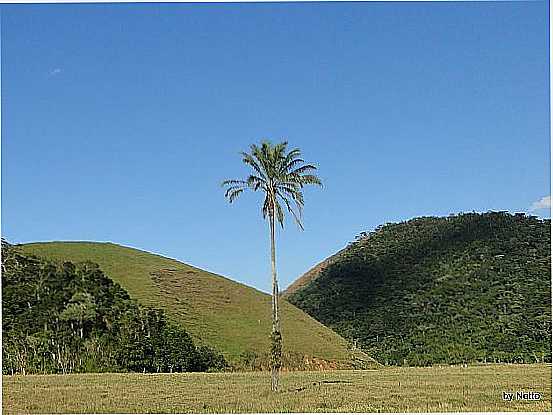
<point>466,288</point>
<point>71,318</point>
<point>221,313</point>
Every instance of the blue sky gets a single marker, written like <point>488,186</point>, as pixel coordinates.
<point>120,121</point>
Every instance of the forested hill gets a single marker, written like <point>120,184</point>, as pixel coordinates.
<point>466,288</point>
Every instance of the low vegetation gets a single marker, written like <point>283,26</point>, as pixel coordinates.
<point>466,288</point>
<point>391,389</point>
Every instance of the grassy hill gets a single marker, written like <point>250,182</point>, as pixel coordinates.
<point>71,318</point>
<point>466,288</point>
<point>219,312</point>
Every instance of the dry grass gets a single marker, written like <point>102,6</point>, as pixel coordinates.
<point>437,389</point>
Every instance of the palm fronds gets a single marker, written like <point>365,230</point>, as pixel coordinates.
<point>280,174</point>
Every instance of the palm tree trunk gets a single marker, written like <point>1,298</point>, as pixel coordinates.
<point>275,358</point>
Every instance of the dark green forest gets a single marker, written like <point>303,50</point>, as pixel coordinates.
<point>466,288</point>
<point>65,317</point>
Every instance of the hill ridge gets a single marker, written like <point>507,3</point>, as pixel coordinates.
<point>311,274</point>
<point>157,254</point>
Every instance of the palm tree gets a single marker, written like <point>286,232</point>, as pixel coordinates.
<point>281,176</point>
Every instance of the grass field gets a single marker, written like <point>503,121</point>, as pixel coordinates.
<point>437,389</point>
<point>219,312</point>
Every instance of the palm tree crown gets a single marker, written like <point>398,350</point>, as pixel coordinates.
<point>281,175</point>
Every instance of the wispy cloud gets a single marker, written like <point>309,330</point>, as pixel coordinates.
<point>543,203</point>
<point>55,71</point>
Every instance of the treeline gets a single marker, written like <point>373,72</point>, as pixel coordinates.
<point>466,288</point>
<point>65,317</point>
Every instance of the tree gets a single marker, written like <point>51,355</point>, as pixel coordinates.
<point>81,308</point>
<point>281,176</point>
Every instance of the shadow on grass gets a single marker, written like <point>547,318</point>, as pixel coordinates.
<point>319,383</point>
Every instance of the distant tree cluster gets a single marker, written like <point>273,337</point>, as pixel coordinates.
<point>65,317</point>
<point>466,288</point>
